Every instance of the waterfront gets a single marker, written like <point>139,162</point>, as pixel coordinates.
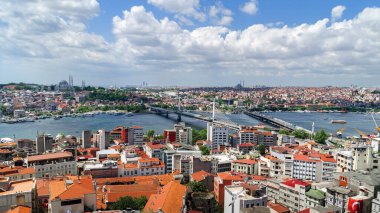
<point>74,126</point>
<point>361,121</point>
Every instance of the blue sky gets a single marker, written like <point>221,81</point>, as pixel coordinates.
<point>191,42</point>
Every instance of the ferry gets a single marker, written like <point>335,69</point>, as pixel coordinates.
<point>338,121</point>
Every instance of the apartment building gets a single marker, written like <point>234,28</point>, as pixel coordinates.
<point>143,167</point>
<point>271,166</point>
<point>154,150</point>
<point>218,135</point>
<point>72,195</point>
<point>184,134</point>
<point>16,193</point>
<point>52,164</point>
<point>102,139</point>
<point>136,135</point>
<point>245,148</point>
<point>286,155</point>
<point>292,194</point>
<point>313,166</point>
<point>359,157</point>
<point>245,166</point>
<point>237,197</point>
<point>257,137</point>
<point>44,143</point>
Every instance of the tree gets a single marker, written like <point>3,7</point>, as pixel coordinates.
<point>129,202</point>
<point>300,133</point>
<point>197,186</point>
<point>261,149</point>
<point>150,133</point>
<point>321,136</point>
<point>284,132</point>
<point>199,134</point>
<point>205,150</point>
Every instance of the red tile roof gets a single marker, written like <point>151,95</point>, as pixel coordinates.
<point>293,182</point>
<point>169,200</point>
<point>200,175</point>
<point>50,156</point>
<point>245,161</point>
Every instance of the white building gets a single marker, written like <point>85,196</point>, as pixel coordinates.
<point>184,134</point>
<point>314,166</point>
<point>53,164</point>
<point>17,193</point>
<point>271,166</point>
<point>144,167</point>
<point>218,135</point>
<point>359,157</point>
<point>102,139</point>
<point>236,198</point>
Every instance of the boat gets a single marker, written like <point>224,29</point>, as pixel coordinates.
<point>129,114</point>
<point>338,121</point>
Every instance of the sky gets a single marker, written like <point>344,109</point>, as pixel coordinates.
<point>191,42</point>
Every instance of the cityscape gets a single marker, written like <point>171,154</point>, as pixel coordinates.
<point>165,106</point>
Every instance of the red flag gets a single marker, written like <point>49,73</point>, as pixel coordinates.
<point>355,206</point>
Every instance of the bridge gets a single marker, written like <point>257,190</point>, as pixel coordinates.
<point>274,121</point>
<point>166,112</point>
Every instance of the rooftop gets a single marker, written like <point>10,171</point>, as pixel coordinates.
<point>293,182</point>
<point>49,156</point>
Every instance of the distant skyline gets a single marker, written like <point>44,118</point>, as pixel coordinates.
<point>191,42</point>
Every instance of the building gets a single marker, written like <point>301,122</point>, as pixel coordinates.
<point>257,137</point>
<point>17,173</point>
<point>136,135</point>
<point>376,204</point>
<point>206,178</point>
<point>286,139</point>
<point>105,169</point>
<point>143,167</point>
<point>154,150</point>
<point>246,166</point>
<point>19,113</point>
<point>314,166</point>
<point>16,193</point>
<point>315,197</point>
<point>72,195</point>
<point>200,164</point>
<point>25,144</point>
<point>271,166</point>
<point>285,154</point>
<point>181,164</point>
<point>220,163</point>
<point>53,164</point>
<point>359,157</point>
<point>246,148</point>
<point>338,196</point>
<point>292,194</point>
<point>237,197</point>
<point>224,179</point>
<point>120,133</point>
<point>170,199</point>
<point>86,139</point>
<point>102,139</point>
<point>44,143</point>
<point>184,134</point>
<point>218,135</point>
<point>167,157</point>
<point>170,135</point>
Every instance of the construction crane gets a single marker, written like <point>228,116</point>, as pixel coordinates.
<point>362,134</point>
<point>377,127</point>
<point>340,131</point>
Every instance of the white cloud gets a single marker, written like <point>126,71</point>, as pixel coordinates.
<point>220,15</point>
<point>49,43</point>
<point>188,8</point>
<point>337,12</point>
<point>250,7</point>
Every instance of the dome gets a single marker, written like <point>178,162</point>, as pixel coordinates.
<point>63,85</point>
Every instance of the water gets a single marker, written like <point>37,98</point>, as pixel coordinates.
<point>74,126</point>
<point>360,121</point>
